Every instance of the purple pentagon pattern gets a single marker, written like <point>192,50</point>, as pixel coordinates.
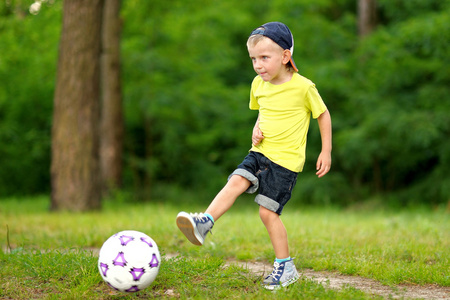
<point>147,241</point>
<point>125,239</point>
<point>132,289</point>
<point>154,262</point>
<point>104,268</point>
<point>137,273</point>
<point>120,260</point>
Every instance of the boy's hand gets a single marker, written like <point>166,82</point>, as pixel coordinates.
<point>323,164</point>
<point>257,136</point>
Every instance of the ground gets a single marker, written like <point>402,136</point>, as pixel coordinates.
<point>337,281</point>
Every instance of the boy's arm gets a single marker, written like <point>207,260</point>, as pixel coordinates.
<point>257,135</point>
<point>324,161</point>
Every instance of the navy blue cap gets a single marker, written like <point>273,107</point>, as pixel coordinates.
<point>280,34</point>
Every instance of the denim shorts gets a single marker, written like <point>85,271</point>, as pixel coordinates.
<point>274,182</point>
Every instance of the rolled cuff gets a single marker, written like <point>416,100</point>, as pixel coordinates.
<point>250,177</point>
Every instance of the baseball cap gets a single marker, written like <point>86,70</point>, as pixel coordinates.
<point>280,34</point>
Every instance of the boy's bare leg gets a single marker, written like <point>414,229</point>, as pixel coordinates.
<point>227,196</point>
<point>277,232</point>
<point>196,226</point>
<point>284,272</point>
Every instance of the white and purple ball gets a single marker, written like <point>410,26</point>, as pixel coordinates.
<point>129,261</point>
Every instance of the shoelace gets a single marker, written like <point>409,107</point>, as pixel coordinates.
<point>201,218</point>
<point>276,270</point>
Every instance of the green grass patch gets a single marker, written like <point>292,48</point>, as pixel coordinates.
<point>53,255</point>
<point>73,275</point>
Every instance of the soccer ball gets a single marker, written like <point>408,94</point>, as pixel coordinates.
<point>129,261</point>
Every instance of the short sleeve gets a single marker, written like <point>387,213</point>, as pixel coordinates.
<point>254,105</point>
<point>315,102</point>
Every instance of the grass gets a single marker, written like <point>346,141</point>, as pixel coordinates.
<point>50,255</point>
<point>73,275</point>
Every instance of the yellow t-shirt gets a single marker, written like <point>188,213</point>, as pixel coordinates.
<point>284,115</point>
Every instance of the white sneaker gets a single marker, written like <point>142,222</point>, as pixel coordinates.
<point>283,274</point>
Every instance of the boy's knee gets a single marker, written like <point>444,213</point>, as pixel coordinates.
<point>267,215</point>
<point>239,182</point>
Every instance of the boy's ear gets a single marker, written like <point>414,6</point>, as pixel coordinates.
<point>286,56</point>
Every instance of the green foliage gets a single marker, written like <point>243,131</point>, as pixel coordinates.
<point>186,78</point>
<point>393,11</point>
<point>27,71</point>
<point>186,92</point>
<point>399,102</point>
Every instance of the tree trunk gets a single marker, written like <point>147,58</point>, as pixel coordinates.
<point>111,137</point>
<point>366,16</point>
<point>75,167</point>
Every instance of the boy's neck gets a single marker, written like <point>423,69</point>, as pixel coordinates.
<point>283,78</point>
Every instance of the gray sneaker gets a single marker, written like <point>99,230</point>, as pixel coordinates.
<point>194,226</point>
<point>283,274</point>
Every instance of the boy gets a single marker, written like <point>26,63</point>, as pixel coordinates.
<point>285,101</point>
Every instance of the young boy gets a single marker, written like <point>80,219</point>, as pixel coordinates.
<point>285,101</point>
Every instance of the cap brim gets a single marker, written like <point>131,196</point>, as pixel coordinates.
<point>293,64</point>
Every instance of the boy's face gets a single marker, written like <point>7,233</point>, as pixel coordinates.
<point>269,61</point>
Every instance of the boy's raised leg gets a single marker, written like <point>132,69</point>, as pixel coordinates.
<point>196,226</point>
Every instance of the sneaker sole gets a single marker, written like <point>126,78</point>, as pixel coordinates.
<point>187,226</point>
<point>284,284</point>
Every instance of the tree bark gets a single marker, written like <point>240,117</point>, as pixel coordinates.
<point>111,137</point>
<point>367,19</point>
<point>75,167</point>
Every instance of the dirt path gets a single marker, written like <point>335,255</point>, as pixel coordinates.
<point>336,281</point>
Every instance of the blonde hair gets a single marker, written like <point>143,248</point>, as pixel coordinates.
<point>255,39</point>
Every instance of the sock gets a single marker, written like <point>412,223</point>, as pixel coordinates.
<point>209,217</point>
<point>282,260</point>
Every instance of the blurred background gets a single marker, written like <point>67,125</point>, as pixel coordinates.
<point>383,70</point>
